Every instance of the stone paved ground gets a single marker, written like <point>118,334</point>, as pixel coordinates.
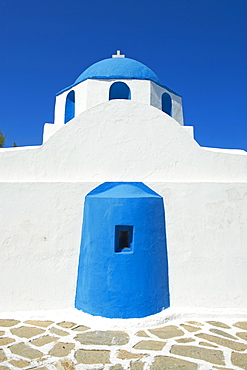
<point>190,345</point>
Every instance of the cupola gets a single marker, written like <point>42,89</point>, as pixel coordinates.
<point>114,78</point>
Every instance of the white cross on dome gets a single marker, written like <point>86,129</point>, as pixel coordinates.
<point>118,55</point>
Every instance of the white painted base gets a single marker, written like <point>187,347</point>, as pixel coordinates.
<point>101,323</point>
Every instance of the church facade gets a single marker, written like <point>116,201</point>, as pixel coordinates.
<point>118,123</point>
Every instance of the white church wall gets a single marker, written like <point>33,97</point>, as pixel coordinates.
<point>140,91</point>
<point>42,191</point>
<point>156,101</point>
<point>92,92</point>
<point>206,238</point>
<point>59,109</point>
<point>40,245</point>
<point>122,140</point>
<point>98,91</point>
<point>189,130</point>
<point>81,97</point>
<point>50,129</point>
<point>41,233</point>
<point>80,102</point>
<point>177,109</point>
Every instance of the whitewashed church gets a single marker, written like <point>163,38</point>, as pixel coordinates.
<point>118,123</point>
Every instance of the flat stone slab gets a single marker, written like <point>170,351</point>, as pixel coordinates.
<point>137,365</point>
<point>41,323</point>
<point>142,333</point>
<point>5,340</point>
<point>109,338</point>
<point>24,350</point>
<point>166,332</point>
<point>123,355</point>
<point>19,363</point>
<point>81,328</point>
<point>239,359</point>
<point>60,332</point>
<point>39,342</point>
<point>219,324</point>
<point>207,344</point>
<point>152,345</point>
<point>27,331</point>
<point>236,346</point>
<point>66,324</point>
<point>90,356</point>
<point>210,355</point>
<point>65,365</point>
<point>242,335</point>
<point>223,333</point>
<point>61,349</point>
<point>2,355</point>
<point>171,363</point>
<point>195,323</point>
<point>8,323</point>
<point>185,340</point>
<point>190,328</point>
<point>241,325</point>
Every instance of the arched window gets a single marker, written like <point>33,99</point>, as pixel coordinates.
<point>166,103</point>
<point>119,90</point>
<point>69,106</point>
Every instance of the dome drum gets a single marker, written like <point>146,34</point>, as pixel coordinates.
<point>94,86</point>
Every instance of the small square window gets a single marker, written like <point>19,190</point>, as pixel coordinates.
<point>123,238</point>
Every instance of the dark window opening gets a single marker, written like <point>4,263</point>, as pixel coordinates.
<point>69,106</point>
<point>166,104</point>
<point>119,90</point>
<point>123,238</point>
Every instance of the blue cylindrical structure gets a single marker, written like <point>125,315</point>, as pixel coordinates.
<point>123,268</point>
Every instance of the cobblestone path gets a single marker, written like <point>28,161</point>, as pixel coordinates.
<point>190,345</point>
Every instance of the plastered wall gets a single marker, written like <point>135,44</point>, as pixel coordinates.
<point>41,232</point>
<point>42,193</point>
<point>121,140</point>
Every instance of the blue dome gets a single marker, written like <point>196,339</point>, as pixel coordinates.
<point>118,68</point>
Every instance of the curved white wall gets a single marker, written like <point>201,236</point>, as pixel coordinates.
<point>121,140</point>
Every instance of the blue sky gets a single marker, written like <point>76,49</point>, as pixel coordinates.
<point>197,48</point>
